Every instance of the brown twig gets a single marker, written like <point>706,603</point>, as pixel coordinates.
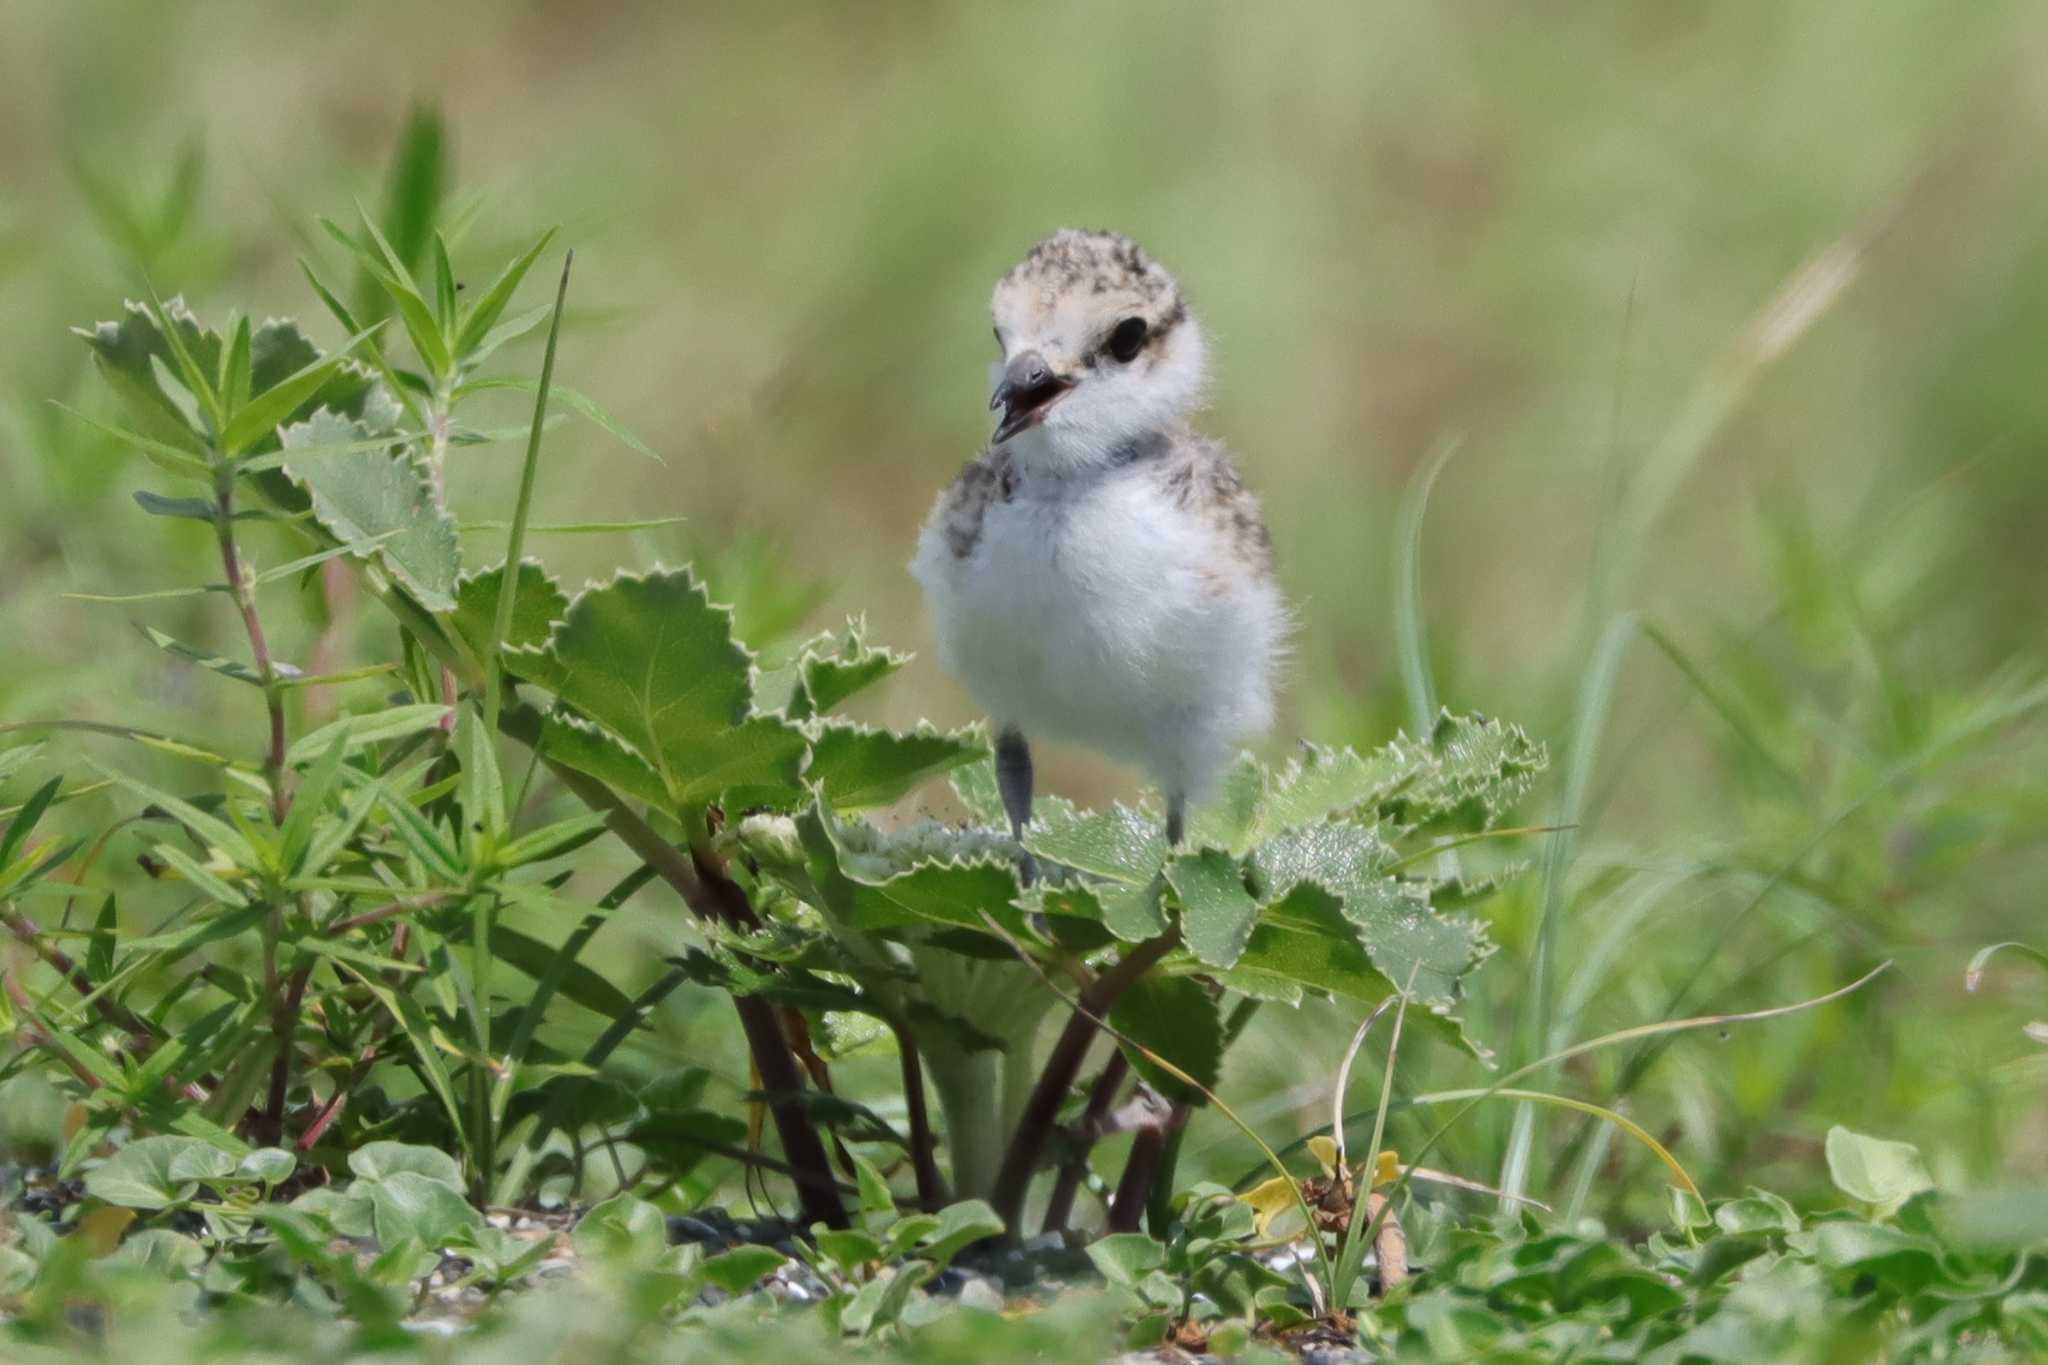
<point>1087,1133</point>
<point>1034,1127</point>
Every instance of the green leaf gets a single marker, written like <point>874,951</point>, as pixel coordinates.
<point>226,667</point>
<point>1216,910</point>
<point>376,1160</point>
<point>1878,1172</point>
<point>540,602</point>
<point>491,302</point>
<point>848,1249</point>
<point>623,1230</point>
<point>128,353</point>
<point>156,1172</point>
<point>960,1226</point>
<point>168,1253</point>
<point>1125,1258</point>
<point>860,766</point>
<point>564,836</point>
<point>740,1269</point>
<point>654,662</point>
<point>875,1196</point>
<point>1120,843</point>
<point>1392,915</point>
<point>274,405</point>
<point>380,504</point>
<point>408,1206</point>
<point>1175,1017</point>
<point>953,894</point>
<point>210,830</point>
<point>191,509</point>
<point>579,982</point>
<point>1132,913</point>
<point>267,1165</point>
<point>372,727</point>
<point>576,401</point>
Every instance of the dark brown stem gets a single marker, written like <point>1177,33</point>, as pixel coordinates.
<point>284,1023</point>
<point>1035,1126</point>
<point>1087,1132</point>
<point>931,1186</point>
<point>1141,1168</point>
<point>717,898</point>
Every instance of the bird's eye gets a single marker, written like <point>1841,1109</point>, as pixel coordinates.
<point>1127,340</point>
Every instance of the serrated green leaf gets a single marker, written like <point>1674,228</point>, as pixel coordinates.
<point>1176,1018</point>
<point>380,504</point>
<point>1132,913</point>
<point>1217,911</point>
<point>974,785</point>
<point>1120,843</point>
<point>859,766</point>
<point>653,662</point>
<point>933,893</point>
<point>539,604</point>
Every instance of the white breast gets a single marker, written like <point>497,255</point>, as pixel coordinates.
<point>1098,610</point>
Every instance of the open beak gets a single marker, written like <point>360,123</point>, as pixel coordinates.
<point>1028,389</point>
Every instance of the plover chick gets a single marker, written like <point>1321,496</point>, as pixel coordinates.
<point>1100,574</point>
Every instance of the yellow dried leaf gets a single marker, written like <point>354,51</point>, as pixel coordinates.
<point>1269,1201</point>
<point>101,1229</point>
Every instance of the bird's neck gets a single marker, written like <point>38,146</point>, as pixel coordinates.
<point>1081,451</point>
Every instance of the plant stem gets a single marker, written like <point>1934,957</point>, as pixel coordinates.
<point>717,898</point>
<point>284,1019</point>
<point>1101,1096</point>
<point>1141,1168</point>
<point>1020,1162</point>
<point>931,1187</point>
<point>259,646</point>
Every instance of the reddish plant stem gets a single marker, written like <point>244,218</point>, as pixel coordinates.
<point>1101,1096</point>
<point>1141,1168</point>
<point>714,896</point>
<point>1041,1111</point>
<point>931,1186</point>
<point>67,967</point>
<point>259,645</point>
<point>284,1024</point>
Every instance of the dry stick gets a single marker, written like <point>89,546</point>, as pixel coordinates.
<point>1101,1096</point>
<point>1020,1162</point>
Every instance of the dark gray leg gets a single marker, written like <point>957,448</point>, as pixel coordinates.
<point>1176,818</point>
<point>1013,780</point>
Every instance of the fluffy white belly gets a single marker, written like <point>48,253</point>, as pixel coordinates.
<point>1113,619</point>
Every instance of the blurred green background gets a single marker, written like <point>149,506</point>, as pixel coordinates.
<point>1552,234</point>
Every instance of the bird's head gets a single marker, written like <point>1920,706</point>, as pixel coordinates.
<point>1097,349</point>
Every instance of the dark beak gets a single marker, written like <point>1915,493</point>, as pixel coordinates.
<point>1028,388</point>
